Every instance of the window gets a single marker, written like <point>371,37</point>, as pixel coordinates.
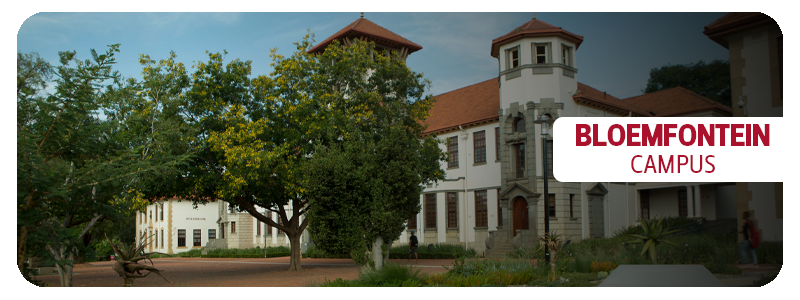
<point>520,160</point>
<point>162,212</point>
<point>540,53</point>
<point>269,227</point>
<point>412,223</point>
<point>212,234</point>
<point>552,205</point>
<point>519,124</point>
<point>570,205</point>
<point>156,239</point>
<point>258,227</point>
<point>644,204</point>
<point>512,58</point>
<point>197,235</point>
<point>499,210</point>
<point>151,215</point>
<point>452,150</point>
<point>181,237</point>
<point>430,211</point>
<point>566,55</point>
<point>162,238</point>
<point>233,227</point>
<point>497,142</point>
<point>452,210</point>
<point>481,216</point>
<point>222,230</point>
<point>479,139</point>
<point>682,209</point>
<point>156,213</point>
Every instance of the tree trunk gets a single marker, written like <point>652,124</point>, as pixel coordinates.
<point>127,281</point>
<point>64,270</point>
<point>386,253</point>
<point>22,243</point>
<point>294,261</point>
<point>377,252</point>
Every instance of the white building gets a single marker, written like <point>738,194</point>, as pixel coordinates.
<point>173,226</point>
<point>493,191</point>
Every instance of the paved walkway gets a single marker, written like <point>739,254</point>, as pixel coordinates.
<point>661,276</point>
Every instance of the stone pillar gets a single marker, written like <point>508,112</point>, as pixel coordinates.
<point>698,207</point>
<point>689,201</point>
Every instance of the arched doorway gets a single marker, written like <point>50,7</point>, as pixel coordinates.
<point>520,207</point>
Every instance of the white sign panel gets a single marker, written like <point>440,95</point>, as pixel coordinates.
<point>669,149</point>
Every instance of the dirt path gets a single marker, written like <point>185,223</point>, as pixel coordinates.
<point>231,272</point>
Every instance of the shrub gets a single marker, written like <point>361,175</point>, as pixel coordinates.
<point>314,252</point>
<point>770,252</point>
<point>391,275</point>
<point>602,266</point>
<point>449,249</point>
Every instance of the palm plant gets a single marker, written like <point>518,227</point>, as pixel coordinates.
<point>126,264</point>
<point>655,232</point>
<point>553,242</point>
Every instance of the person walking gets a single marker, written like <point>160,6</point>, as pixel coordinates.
<point>750,241</point>
<point>412,248</point>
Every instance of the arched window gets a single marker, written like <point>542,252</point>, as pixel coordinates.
<point>519,124</point>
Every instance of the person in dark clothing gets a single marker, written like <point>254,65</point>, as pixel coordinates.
<point>412,248</point>
<point>747,244</point>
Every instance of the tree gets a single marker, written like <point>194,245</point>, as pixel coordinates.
<point>75,167</point>
<point>712,80</point>
<point>249,136</point>
<point>366,174</point>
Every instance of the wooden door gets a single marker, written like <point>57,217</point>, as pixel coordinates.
<point>520,214</point>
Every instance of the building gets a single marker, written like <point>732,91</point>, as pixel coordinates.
<point>491,199</point>
<point>755,44</point>
<point>173,226</point>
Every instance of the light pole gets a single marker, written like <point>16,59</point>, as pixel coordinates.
<point>545,133</point>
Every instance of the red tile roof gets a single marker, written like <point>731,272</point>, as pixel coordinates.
<point>734,22</point>
<point>590,96</point>
<point>370,30</point>
<point>534,27</point>
<point>677,101</point>
<point>471,105</point>
<point>479,103</point>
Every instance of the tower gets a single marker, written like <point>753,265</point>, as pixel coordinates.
<point>537,76</point>
<point>366,30</point>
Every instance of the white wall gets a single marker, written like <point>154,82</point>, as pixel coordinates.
<point>178,215</point>
<point>764,210</point>
<point>481,176</point>
<point>756,72</point>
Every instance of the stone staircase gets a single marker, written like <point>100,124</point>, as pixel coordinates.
<point>501,250</point>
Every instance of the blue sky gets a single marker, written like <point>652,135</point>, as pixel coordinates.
<point>618,51</point>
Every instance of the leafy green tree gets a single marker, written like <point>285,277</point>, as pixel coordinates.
<point>248,136</point>
<point>366,174</point>
<point>712,80</point>
<point>75,167</point>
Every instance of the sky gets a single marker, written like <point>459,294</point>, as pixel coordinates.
<point>616,56</point>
